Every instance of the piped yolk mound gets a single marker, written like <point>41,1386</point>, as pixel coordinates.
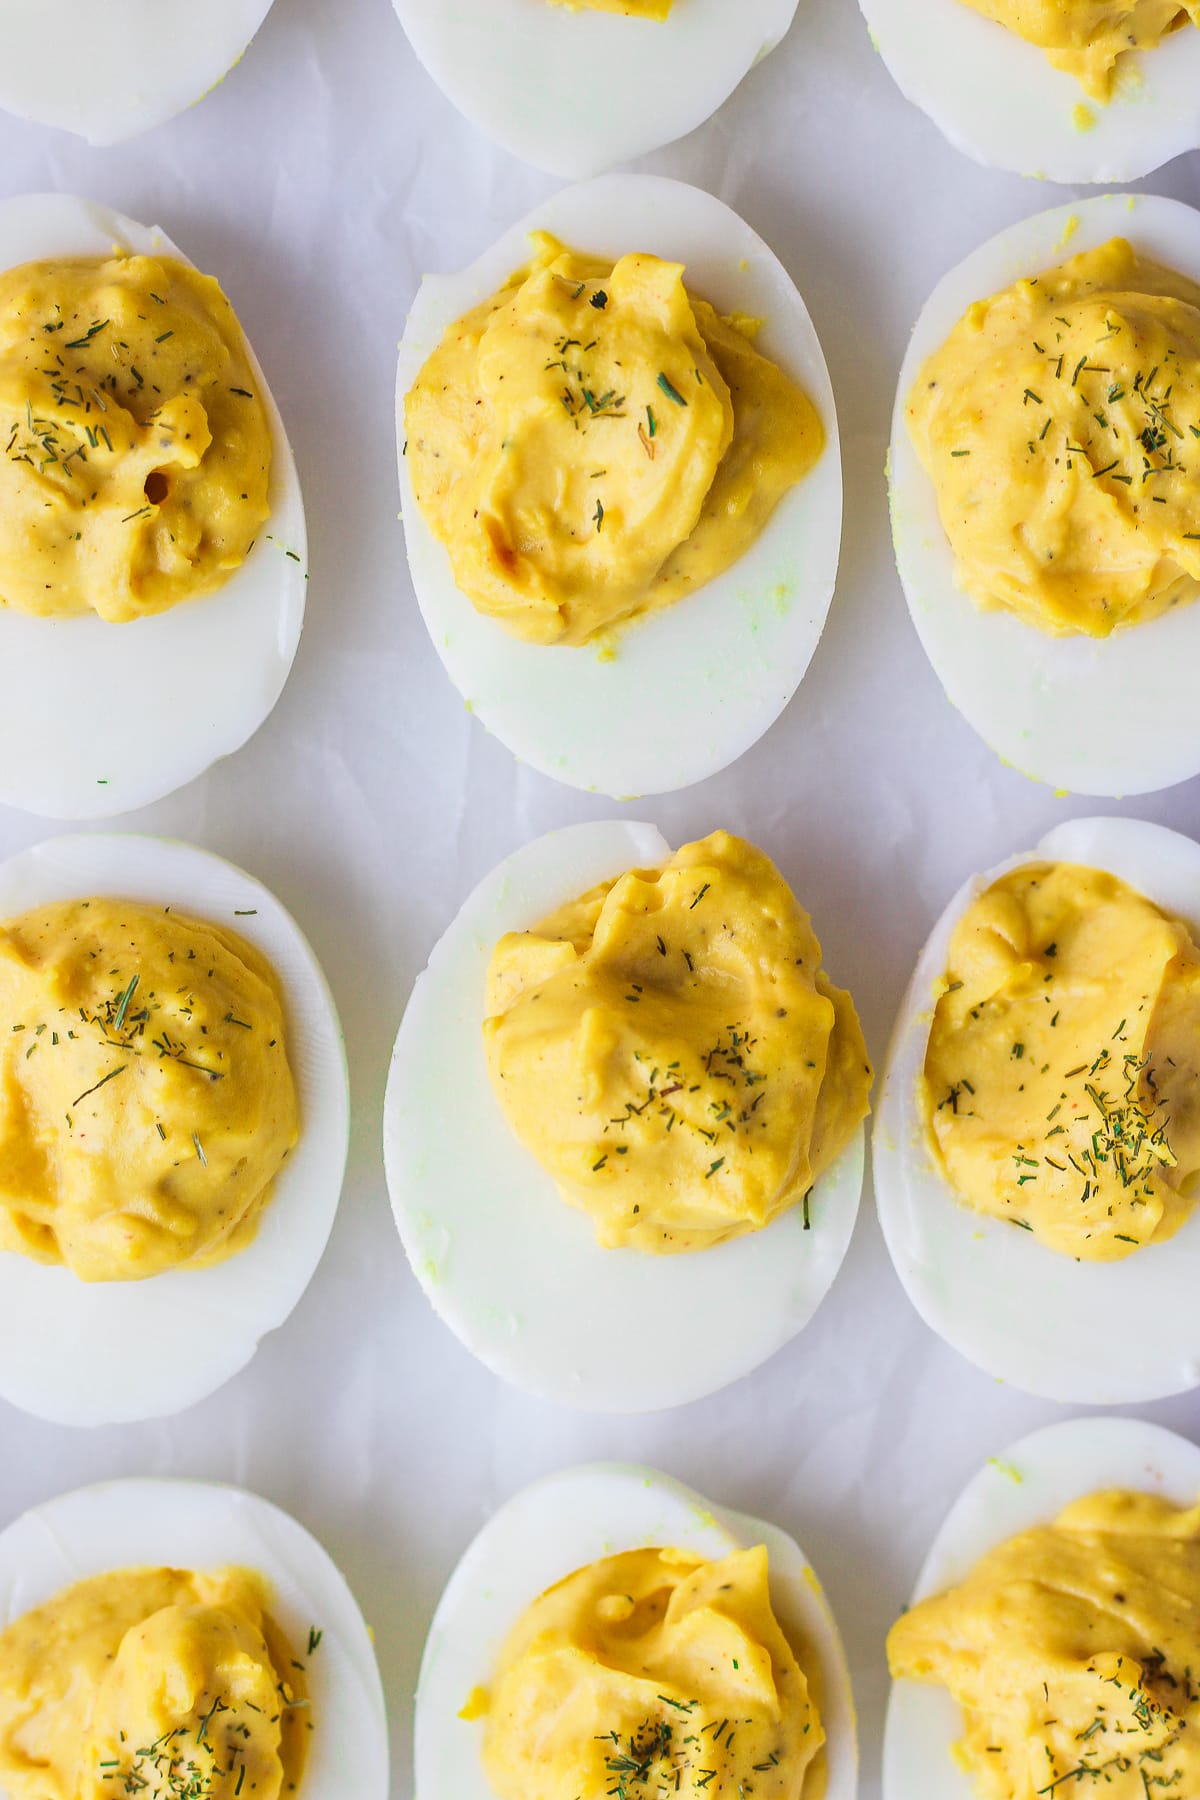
<point>1060,1081</point>
<point>1072,1652</point>
<point>658,1662</point>
<point>593,443</point>
<point>669,1048</point>
<point>632,9</point>
<point>1088,38</point>
<point>146,1101</point>
<point>1060,425</point>
<point>157,1682</point>
<point>136,449</point>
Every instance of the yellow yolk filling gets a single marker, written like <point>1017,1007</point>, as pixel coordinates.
<point>146,1102</point>
<point>1087,38</point>
<point>1060,1079</point>
<point>1060,425</point>
<point>136,449</point>
<point>151,1681</point>
<point>633,9</point>
<point>659,1660</point>
<point>669,1048</point>
<point>1072,1652</point>
<point>593,443</point>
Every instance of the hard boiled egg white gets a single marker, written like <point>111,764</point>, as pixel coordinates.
<point>576,91</point>
<point>1025,1486</point>
<point>693,686</point>
<point>1112,716</point>
<point>111,71</point>
<point>513,1270</point>
<point>191,1525</point>
<point>997,97</point>
<point>83,1353</point>
<point>95,718</point>
<point>561,1524</point>
<point>1094,1333</point>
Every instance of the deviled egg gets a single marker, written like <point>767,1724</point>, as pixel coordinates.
<point>113,72</point>
<point>655,70</point>
<point>772,1683</point>
<point>1033,1155</point>
<point>1059,1603</point>
<point>1088,444</point>
<point>179,1638</point>
<point>153,554</point>
<point>667,578</point>
<point>532,1220</point>
<point>183,1197</point>
<point>1105,95</point>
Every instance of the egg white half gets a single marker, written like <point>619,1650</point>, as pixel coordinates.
<point>695,684</point>
<point>1113,716</point>
<point>1021,1311</point>
<point>86,1353</point>
<point>513,1270</point>
<point>96,718</point>
<point>562,1523</point>
<point>1027,1485</point>
<point>997,98</point>
<point>193,1525</point>
<point>111,71</point>
<point>577,92</point>
<point>1110,715</point>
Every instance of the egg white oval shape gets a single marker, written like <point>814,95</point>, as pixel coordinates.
<point>693,685</point>
<point>110,71</point>
<point>513,1270</point>
<point>97,718</point>
<point>997,98</point>
<point>88,1353</point>
<point>1110,716</point>
<point>577,92</point>
<point>1027,1314</point>
<point>194,1525</point>
<point>1027,1485</point>
<point>561,1524</point>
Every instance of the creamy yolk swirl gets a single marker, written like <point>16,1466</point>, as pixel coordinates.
<point>669,1048</point>
<point>156,1682</point>
<point>1062,1071</point>
<point>135,447</point>
<point>146,1099</point>
<point>1060,426</point>
<point>595,442</point>
<point>1088,38</point>
<point>652,1669</point>
<point>1072,1652</point>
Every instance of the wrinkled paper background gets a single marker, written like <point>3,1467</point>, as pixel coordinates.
<point>319,183</point>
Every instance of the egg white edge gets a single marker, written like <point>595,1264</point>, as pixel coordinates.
<point>147,1523</point>
<point>602,1339</point>
<point>998,100</point>
<point>560,1524</point>
<point>81,98</point>
<point>760,621</point>
<point>1026,1485</point>
<point>1022,1312</point>
<point>1118,715</point>
<point>512,68</point>
<point>113,773</point>
<point>231,1306</point>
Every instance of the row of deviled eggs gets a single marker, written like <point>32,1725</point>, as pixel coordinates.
<point>625,1098</point>
<point>1068,92</point>
<point>613,463</point>
<point>613,1632</point>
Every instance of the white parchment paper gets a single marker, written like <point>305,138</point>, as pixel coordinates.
<point>319,182</point>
